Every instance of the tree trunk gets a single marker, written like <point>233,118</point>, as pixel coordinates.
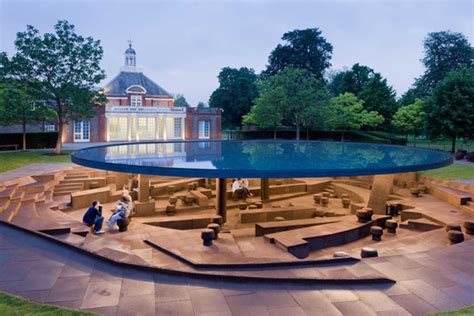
<point>307,134</point>
<point>453,144</point>
<point>297,131</point>
<point>414,140</point>
<point>406,138</point>
<point>59,141</point>
<point>274,133</point>
<point>24,134</point>
<point>342,136</point>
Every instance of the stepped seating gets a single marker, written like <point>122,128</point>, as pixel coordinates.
<point>265,228</point>
<point>299,242</point>
<point>452,196</point>
<point>468,207</point>
<point>421,224</point>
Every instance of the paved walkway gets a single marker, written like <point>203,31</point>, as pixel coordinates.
<point>45,272</point>
<point>32,169</point>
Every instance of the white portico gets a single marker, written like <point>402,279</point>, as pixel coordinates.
<point>139,123</point>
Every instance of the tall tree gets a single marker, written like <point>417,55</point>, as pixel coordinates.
<point>235,95</point>
<point>410,118</point>
<point>180,101</point>
<point>444,52</point>
<point>62,68</point>
<point>17,106</point>
<point>266,112</point>
<point>450,110</point>
<point>379,96</point>
<point>348,113</point>
<point>353,80</point>
<point>305,49</point>
<point>200,105</point>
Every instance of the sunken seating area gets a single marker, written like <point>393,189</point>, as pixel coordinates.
<point>185,222</point>
<point>262,229</point>
<point>300,242</point>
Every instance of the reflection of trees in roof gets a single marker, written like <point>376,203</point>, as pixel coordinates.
<point>409,156</point>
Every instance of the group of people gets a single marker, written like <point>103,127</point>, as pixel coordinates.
<point>240,188</point>
<point>94,217</point>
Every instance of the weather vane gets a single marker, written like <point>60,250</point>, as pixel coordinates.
<point>129,43</point>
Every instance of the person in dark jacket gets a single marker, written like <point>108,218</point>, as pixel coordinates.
<point>93,216</point>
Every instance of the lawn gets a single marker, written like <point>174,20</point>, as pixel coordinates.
<point>12,305</point>
<point>460,312</point>
<point>452,172</point>
<point>13,160</point>
<point>442,144</point>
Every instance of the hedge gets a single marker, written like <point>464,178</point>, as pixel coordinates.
<point>33,140</point>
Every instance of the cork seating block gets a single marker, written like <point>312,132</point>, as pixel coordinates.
<point>415,192</point>
<point>344,196</point>
<point>368,252</point>
<point>319,213</point>
<point>217,219</point>
<point>317,198</point>
<point>83,199</point>
<point>200,198</point>
<point>279,219</point>
<point>268,214</point>
<point>171,189</point>
<point>253,207</point>
<point>423,188</point>
<point>455,237</point>
<point>206,192</point>
<point>173,200</point>
<point>259,204</point>
<point>242,206</point>
<point>123,224</point>
<point>345,202</point>
<point>207,235</point>
<point>363,215</point>
<point>469,227</point>
<point>190,186</point>
<point>376,232</point>
<point>170,210</point>
<point>326,194</point>
<point>453,227</point>
<point>392,226</point>
<point>188,200</point>
<point>216,228</point>
<point>340,254</point>
<point>278,182</point>
<point>324,201</point>
<point>265,228</point>
<point>145,208</point>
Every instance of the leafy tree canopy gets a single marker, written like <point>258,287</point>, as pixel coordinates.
<point>353,80</point>
<point>444,52</point>
<point>349,113</point>
<point>450,110</point>
<point>305,49</point>
<point>379,96</point>
<point>201,105</point>
<point>235,95</point>
<point>62,68</point>
<point>410,118</point>
<point>180,101</point>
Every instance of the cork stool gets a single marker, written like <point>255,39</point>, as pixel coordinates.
<point>324,201</point>
<point>207,235</point>
<point>469,227</point>
<point>317,198</point>
<point>392,226</point>
<point>455,236</point>
<point>368,252</point>
<point>376,232</point>
<point>216,228</point>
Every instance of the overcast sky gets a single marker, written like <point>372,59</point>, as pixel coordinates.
<point>182,45</point>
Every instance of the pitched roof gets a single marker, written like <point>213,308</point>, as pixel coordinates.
<point>125,79</point>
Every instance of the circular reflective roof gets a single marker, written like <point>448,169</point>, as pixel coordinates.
<point>259,158</point>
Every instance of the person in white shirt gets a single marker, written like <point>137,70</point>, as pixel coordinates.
<point>238,190</point>
<point>245,186</point>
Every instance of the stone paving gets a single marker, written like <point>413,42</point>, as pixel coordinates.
<point>48,273</point>
<point>33,169</point>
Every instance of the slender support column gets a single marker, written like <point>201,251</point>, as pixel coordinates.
<point>381,188</point>
<point>264,189</point>
<point>143,188</point>
<point>129,128</point>
<point>183,126</point>
<point>221,190</point>
<point>165,129</point>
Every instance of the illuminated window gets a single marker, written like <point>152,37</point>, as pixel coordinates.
<point>136,100</point>
<point>204,129</point>
<point>49,128</point>
<point>177,128</point>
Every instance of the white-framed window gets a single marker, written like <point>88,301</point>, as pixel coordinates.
<point>177,127</point>
<point>136,100</point>
<point>204,129</point>
<point>81,131</point>
<point>49,128</point>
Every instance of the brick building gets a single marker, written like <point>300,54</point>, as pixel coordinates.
<point>138,109</point>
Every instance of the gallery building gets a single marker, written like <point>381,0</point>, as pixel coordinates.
<point>138,109</point>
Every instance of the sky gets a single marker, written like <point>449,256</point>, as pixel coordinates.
<point>182,45</point>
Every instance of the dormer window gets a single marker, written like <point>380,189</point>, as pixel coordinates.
<point>136,100</point>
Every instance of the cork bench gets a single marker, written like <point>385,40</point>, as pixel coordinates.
<point>299,242</point>
<point>82,199</point>
<point>199,198</point>
<point>269,214</point>
<point>185,222</point>
<point>280,226</point>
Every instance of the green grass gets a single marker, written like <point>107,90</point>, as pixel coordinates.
<point>452,172</point>
<point>14,160</point>
<point>460,312</point>
<point>11,305</point>
<point>442,144</point>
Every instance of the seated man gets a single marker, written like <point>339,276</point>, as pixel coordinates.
<point>238,191</point>
<point>122,210</point>
<point>93,216</point>
<point>245,186</point>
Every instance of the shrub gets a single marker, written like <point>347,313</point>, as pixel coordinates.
<point>469,157</point>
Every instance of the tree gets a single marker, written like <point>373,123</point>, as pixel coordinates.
<point>235,95</point>
<point>450,109</point>
<point>180,101</point>
<point>201,105</point>
<point>353,80</point>
<point>299,90</point>
<point>379,96</point>
<point>62,68</point>
<point>305,49</point>
<point>17,106</point>
<point>349,114</point>
<point>265,113</point>
<point>444,52</point>
<point>410,118</point>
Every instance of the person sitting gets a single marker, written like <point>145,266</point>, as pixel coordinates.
<point>93,216</point>
<point>245,186</point>
<point>121,211</point>
<point>238,190</point>
<point>134,188</point>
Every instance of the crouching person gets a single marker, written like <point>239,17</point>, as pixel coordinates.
<point>121,211</point>
<point>93,217</point>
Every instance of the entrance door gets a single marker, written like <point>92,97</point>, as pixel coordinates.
<point>81,131</point>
